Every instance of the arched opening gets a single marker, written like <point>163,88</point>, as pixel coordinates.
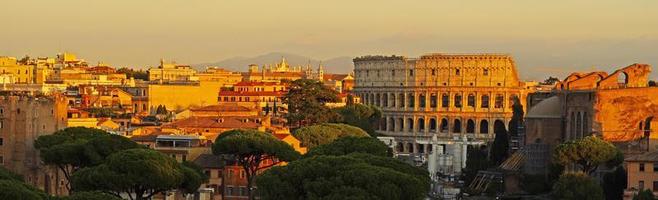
<point>471,100</point>
<point>421,99</point>
<point>410,147</point>
<point>385,98</point>
<point>457,126</point>
<point>410,124</point>
<point>383,125</point>
<point>433,100</point>
<point>412,100</point>
<point>647,126</point>
<point>444,125</point>
<point>378,100</point>
<point>470,126</point>
<point>432,124</point>
<point>392,124</point>
<point>400,124</point>
<point>622,79</point>
<point>499,127</point>
<point>499,101</point>
<point>484,103</point>
<point>401,100</point>
<point>445,100</point>
<point>421,124</point>
<point>392,100</point>
<point>458,100</point>
<point>484,126</point>
<point>400,147</point>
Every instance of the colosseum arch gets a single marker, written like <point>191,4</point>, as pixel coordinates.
<point>433,124</point>
<point>421,124</point>
<point>470,126</point>
<point>457,126</point>
<point>444,125</point>
<point>484,126</point>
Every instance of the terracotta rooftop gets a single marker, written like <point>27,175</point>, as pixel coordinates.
<point>335,77</point>
<point>222,108</point>
<point>214,122</point>
<point>648,157</point>
<point>241,93</point>
<point>252,83</point>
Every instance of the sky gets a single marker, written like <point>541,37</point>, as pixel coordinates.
<point>544,37</point>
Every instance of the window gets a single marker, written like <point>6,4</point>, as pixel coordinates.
<point>655,186</point>
<point>655,167</point>
<point>422,100</point>
<point>412,100</point>
<point>393,73</point>
<point>207,172</point>
<point>433,72</point>
<point>640,185</point>
<point>445,100</point>
<point>229,191</point>
<point>433,100</point>
<point>499,101</point>
<point>458,100</point>
<point>457,72</point>
<point>641,167</point>
<point>411,72</point>
<point>1,141</point>
<point>485,72</point>
<point>471,100</point>
<point>184,157</point>
<point>484,103</point>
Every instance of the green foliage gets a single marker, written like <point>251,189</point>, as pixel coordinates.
<point>193,177</point>
<point>92,195</point>
<point>577,186</point>
<point>536,184</point>
<point>142,172</point>
<point>614,184</point>
<point>354,176</point>
<point>311,136</point>
<point>137,74</point>
<point>74,148</point>
<point>101,112</point>
<point>588,153</point>
<point>363,116</point>
<point>306,103</point>
<point>644,195</point>
<point>250,148</point>
<point>347,145</point>
<point>161,110</point>
<point>476,160</point>
<point>12,189</point>
<point>5,174</point>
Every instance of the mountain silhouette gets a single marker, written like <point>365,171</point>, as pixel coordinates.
<point>334,65</point>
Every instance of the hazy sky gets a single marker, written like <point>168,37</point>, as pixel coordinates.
<point>545,37</point>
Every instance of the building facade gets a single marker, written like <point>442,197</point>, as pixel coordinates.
<point>439,94</point>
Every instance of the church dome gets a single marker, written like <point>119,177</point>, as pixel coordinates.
<point>548,108</point>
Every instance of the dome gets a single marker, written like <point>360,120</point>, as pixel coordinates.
<point>548,108</point>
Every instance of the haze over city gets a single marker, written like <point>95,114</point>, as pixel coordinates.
<point>544,37</point>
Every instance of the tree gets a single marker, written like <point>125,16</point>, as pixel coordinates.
<point>249,148</point>
<point>550,81</point>
<point>13,187</point>
<point>74,148</point>
<point>577,186</point>
<point>93,195</point>
<point>476,160</point>
<point>614,184</point>
<point>353,176</point>
<point>363,116</point>
<point>311,136</point>
<point>193,177</point>
<point>644,195</point>
<point>306,103</point>
<point>137,74</point>
<point>517,117</point>
<point>588,153</point>
<point>139,173</point>
<point>500,147</point>
<point>348,145</point>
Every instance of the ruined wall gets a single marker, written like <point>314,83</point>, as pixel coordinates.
<point>622,114</point>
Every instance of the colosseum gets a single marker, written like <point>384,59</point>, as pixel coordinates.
<point>444,95</point>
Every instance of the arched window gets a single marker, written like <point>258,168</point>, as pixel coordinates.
<point>484,126</point>
<point>400,125</point>
<point>410,147</point>
<point>378,100</point>
<point>433,100</point>
<point>499,101</point>
<point>421,99</point>
<point>484,103</point>
<point>471,100</point>
<point>444,125</point>
<point>392,100</point>
<point>391,127</point>
<point>470,126</point>
<point>421,124</point>
<point>412,100</point>
<point>622,79</point>
<point>385,98</point>
<point>410,124</point>
<point>433,124</point>
<point>445,100</point>
<point>401,100</point>
<point>458,100</point>
<point>457,126</point>
<point>400,147</point>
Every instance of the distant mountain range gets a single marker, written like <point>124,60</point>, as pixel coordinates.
<point>334,65</point>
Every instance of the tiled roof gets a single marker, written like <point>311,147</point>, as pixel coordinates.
<point>214,122</point>
<point>253,83</point>
<point>222,108</point>
<point>335,77</point>
<point>238,93</point>
<point>649,156</point>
